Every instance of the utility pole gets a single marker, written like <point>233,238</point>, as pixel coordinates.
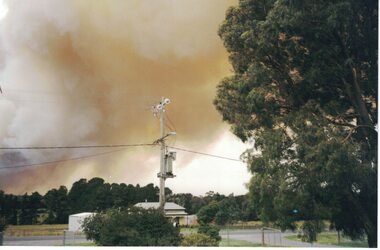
<point>166,157</point>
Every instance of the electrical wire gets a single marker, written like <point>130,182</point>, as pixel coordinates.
<point>80,146</point>
<point>173,128</point>
<point>206,154</point>
<point>99,154</point>
<point>170,121</point>
<point>59,161</point>
<point>169,127</point>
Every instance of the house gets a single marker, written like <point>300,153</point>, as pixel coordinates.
<point>171,210</point>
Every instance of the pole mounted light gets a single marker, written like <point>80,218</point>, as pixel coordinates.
<point>167,158</point>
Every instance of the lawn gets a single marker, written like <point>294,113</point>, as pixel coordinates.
<point>36,230</point>
<point>188,230</point>
<point>332,239</point>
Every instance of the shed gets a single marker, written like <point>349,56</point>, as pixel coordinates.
<point>76,220</point>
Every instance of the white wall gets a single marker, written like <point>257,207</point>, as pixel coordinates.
<point>76,220</point>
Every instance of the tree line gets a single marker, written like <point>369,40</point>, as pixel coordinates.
<point>84,196</point>
<point>96,195</point>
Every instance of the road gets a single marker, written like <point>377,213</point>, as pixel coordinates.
<point>251,235</point>
<point>41,241</point>
<point>273,239</point>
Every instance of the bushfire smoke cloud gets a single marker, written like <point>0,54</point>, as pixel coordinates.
<point>86,72</point>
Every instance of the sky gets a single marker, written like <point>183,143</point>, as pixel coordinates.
<point>79,73</point>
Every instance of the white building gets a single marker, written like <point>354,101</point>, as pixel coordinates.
<point>76,220</point>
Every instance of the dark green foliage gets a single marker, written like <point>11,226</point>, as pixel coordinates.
<point>198,240</point>
<point>9,205</point>
<point>57,206</point>
<point>184,200</point>
<point>304,90</point>
<point>228,212</point>
<point>3,224</point>
<point>211,230</point>
<point>93,195</point>
<point>131,227</point>
<point>92,226</point>
<point>25,218</point>
<point>236,207</point>
<point>310,230</point>
<point>96,195</point>
<point>29,208</point>
<point>207,213</point>
<point>197,203</point>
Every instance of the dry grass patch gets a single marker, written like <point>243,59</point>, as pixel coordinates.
<point>36,230</point>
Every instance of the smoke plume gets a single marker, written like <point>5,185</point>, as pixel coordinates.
<point>87,72</point>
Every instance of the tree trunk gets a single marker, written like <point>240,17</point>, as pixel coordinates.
<point>364,122</point>
<point>372,238</point>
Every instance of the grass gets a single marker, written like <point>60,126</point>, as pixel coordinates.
<point>188,230</point>
<point>36,230</point>
<point>332,239</point>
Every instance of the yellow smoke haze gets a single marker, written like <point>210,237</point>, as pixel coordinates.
<point>87,72</point>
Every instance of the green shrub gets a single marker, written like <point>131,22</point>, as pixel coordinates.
<point>131,227</point>
<point>210,230</point>
<point>310,230</point>
<point>207,213</point>
<point>198,240</point>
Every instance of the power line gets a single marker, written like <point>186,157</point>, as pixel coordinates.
<point>206,154</point>
<point>100,154</point>
<point>170,121</point>
<point>79,146</point>
<point>169,127</point>
<point>58,161</point>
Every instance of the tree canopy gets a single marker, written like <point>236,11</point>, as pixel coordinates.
<point>304,93</point>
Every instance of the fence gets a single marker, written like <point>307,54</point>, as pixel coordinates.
<point>265,236</point>
<point>271,237</point>
<point>71,238</point>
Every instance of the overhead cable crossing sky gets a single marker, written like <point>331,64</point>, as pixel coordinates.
<point>122,146</point>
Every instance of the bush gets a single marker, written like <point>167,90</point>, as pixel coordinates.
<point>199,240</point>
<point>92,226</point>
<point>131,227</point>
<point>207,213</point>
<point>310,230</point>
<point>210,230</point>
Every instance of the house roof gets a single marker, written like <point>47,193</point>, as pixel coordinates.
<point>156,205</point>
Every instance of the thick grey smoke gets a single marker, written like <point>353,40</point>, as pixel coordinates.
<point>86,72</point>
